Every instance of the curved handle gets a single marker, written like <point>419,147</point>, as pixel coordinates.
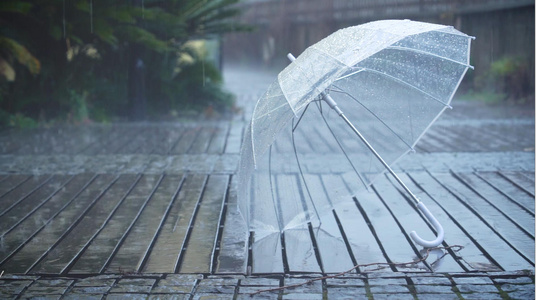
<point>435,223</point>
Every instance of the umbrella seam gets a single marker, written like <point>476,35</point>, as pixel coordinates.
<point>408,84</point>
<point>428,53</point>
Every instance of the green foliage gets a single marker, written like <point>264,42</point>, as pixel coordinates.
<point>484,96</point>
<point>72,58</point>
<point>11,50</point>
<point>15,6</point>
<point>17,120</point>
<point>196,82</point>
<point>78,106</point>
<point>507,80</point>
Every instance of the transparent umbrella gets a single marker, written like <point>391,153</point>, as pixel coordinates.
<point>352,105</point>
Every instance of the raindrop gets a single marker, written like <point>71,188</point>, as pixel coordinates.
<point>91,14</point>
<point>142,9</point>
<point>203,66</point>
<point>63,19</point>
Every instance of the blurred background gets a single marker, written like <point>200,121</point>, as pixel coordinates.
<point>503,52</point>
<point>84,61</point>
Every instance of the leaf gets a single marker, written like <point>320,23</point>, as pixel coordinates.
<point>20,7</point>
<point>144,37</point>
<point>104,31</point>
<point>6,70</point>
<point>212,7</point>
<point>21,54</point>
<point>122,14</point>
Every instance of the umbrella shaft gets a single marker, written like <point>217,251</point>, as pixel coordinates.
<point>378,156</point>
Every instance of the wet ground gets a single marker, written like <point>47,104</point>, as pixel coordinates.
<point>149,210</point>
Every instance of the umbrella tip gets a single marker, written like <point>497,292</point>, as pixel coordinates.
<point>291,57</point>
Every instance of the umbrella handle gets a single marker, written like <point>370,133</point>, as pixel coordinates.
<point>435,223</point>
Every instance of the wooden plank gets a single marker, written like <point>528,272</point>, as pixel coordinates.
<point>264,244</point>
<point>102,248</point>
<point>171,140</point>
<point>89,137</point>
<point>142,137</point>
<point>364,246</point>
<point>219,138</point>
<point>70,140</point>
<point>67,251</point>
<point>425,146</point>
<point>266,255</point>
<point>43,242</point>
<point>84,137</point>
<point>161,141</point>
<point>299,249</point>
<point>283,142</point>
<point>233,251</point>
<point>491,216</point>
<point>302,138</point>
<point>26,228</point>
<point>202,141</point>
<point>470,140</point>
<point>28,205</point>
<point>10,183</point>
<point>439,142</point>
<point>404,211</point>
<point>129,134</point>
<point>491,244</point>
<point>471,256</point>
<point>21,192</point>
<point>521,180</point>
<point>234,140</point>
<point>529,175</point>
<point>198,257</point>
<point>136,246</point>
<point>324,137</point>
<point>508,189</point>
<point>186,141</point>
<point>164,257</point>
<point>514,213</point>
<point>318,143</point>
<point>330,241</point>
<point>27,141</point>
<point>389,234</point>
<point>106,141</point>
<point>9,144</point>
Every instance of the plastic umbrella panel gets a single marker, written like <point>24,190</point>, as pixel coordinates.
<point>391,78</point>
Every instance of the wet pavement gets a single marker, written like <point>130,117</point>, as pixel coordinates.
<point>148,210</point>
<point>501,285</point>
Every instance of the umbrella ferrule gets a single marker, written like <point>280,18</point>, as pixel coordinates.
<point>331,103</point>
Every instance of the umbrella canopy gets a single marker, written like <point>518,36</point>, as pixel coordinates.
<point>391,78</point>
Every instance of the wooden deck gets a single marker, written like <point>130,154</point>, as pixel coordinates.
<point>161,198</point>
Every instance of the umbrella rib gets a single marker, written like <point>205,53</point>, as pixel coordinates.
<point>277,205</point>
<point>443,30</point>
<point>301,171</point>
<point>341,147</point>
<point>430,54</point>
<point>271,111</point>
<point>339,90</point>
